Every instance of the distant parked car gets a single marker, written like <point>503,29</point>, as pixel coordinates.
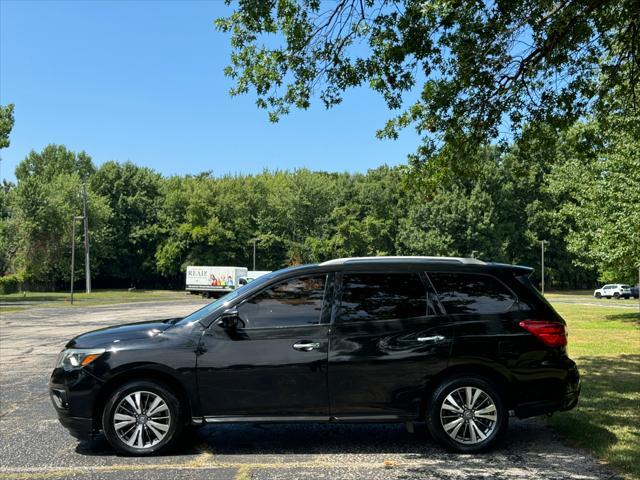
<point>613,290</point>
<point>635,291</point>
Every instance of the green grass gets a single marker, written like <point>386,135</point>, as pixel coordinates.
<point>605,343</point>
<point>96,297</point>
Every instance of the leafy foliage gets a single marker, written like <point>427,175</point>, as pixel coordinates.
<point>459,72</point>
<point>576,189</point>
<point>6,124</point>
<point>41,211</point>
<point>598,184</point>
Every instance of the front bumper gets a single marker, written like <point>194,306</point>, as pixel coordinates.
<point>80,428</point>
<point>72,395</point>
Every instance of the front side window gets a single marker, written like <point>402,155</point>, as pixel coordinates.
<point>464,293</point>
<point>293,302</point>
<point>384,296</point>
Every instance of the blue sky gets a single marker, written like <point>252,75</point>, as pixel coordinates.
<point>143,81</point>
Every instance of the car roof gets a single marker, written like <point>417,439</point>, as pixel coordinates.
<point>381,261</point>
<point>403,259</point>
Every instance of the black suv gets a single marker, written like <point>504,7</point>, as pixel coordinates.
<point>458,343</point>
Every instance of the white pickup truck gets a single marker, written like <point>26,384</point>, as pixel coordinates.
<point>214,281</point>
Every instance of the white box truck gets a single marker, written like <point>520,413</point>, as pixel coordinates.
<point>214,280</point>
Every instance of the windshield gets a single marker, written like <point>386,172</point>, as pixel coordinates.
<point>207,310</point>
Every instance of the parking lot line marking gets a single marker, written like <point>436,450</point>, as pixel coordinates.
<point>197,464</point>
<point>243,473</point>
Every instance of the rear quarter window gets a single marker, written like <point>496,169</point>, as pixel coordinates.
<point>472,293</point>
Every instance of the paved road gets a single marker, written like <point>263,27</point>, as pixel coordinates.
<point>592,301</point>
<point>34,445</point>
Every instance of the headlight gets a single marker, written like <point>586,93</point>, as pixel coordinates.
<point>74,358</point>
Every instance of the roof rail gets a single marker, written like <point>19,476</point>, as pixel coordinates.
<point>408,259</point>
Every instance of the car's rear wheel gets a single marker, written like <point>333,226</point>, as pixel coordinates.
<point>467,414</point>
<point>142,418</point>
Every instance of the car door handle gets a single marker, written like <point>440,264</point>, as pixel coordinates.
<point>306,346</point>
<point>433,339</point>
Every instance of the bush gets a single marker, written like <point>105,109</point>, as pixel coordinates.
<point>11,283</point>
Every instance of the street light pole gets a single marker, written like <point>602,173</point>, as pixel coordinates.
<point>542,242</point>
<point>73,252</point>
<point>87,266</point>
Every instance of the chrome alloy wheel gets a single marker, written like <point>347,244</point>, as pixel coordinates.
<point>468,415</point>
<point>142,419</point>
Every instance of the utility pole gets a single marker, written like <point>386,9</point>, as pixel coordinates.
<point>254,240</point>
<point>87,265</point>
<point>73,252</point>
<point>542,242</point>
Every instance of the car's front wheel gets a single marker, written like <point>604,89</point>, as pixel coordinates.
<point>598,295</point>
<point>142,418</point>
<point>467,414</point>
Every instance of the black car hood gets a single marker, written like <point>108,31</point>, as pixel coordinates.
<point>122,333</point>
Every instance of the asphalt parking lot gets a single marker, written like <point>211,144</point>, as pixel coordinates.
<point>34,445</point>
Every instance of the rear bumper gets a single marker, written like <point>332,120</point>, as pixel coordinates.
<point>564,402</point>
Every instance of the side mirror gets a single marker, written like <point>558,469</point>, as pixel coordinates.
<point>229,319</point>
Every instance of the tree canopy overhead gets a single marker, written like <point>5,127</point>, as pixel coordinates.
<point>477,67</point>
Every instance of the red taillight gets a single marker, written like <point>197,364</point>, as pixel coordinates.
<point>550,333</point>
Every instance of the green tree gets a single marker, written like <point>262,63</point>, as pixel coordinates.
<point>452,223</point>
<point>46,198</point>
<point>8,244</point>
<point>457,71</point>
<point>6,124</point>
<point>597,183</point>
<point>134,196</point>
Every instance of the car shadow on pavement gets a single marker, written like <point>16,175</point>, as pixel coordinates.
<point>190,444</point>
<point>314,438</point>
<point>252,439</point>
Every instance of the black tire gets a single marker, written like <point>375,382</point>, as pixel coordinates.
<point>435,422</point>
<point>175,422</point>
<point>598,295</point>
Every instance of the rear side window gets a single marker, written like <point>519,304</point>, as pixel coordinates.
<point>464,293</point>
<point>384,296</point>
